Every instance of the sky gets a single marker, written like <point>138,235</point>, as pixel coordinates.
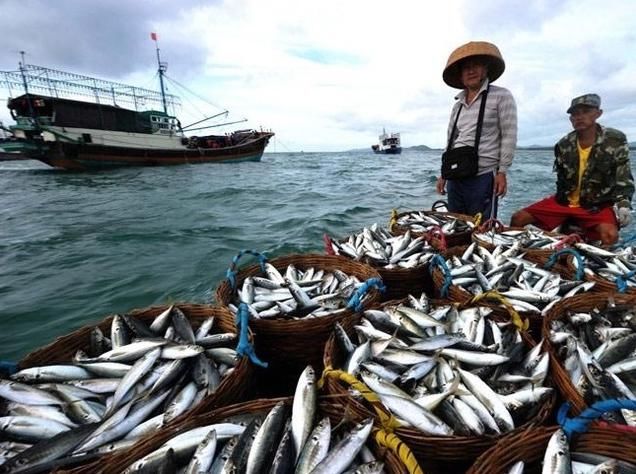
<point>329,75</point>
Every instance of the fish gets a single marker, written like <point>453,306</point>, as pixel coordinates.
<point>378,248</point>
<point>556,459</point>
<point>133,387</point>
<point>293,295</point>
<point>303,408</point>
<point>467,371</point>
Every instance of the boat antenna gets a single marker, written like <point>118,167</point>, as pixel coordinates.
<point>26,87</point>
<point>162,67</point>
<point>225,112</point>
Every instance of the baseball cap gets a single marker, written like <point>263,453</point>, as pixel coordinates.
<point>591,100</point>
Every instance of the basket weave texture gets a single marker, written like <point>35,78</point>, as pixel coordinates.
<point>529,446</point>
<point>119,462</point>
<point>488,244</point>
<point>233,388</point>
<point>401,282</point>
<point>299,341</point>
<point>433,452</point>
<point>579,303</point>
<point>451,240</point>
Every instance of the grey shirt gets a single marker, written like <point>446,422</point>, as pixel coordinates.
<point>499,129</point>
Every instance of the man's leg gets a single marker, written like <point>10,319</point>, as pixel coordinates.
<point>599,225</point>
<point>472,195</point>
<point>521,218</point>
<point>546,214</point>
<point>456,203</point>
<point>608,233</point>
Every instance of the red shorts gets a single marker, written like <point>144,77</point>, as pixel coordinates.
<point>549,214</point>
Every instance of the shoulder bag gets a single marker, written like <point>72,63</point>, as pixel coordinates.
<point>463,162</point>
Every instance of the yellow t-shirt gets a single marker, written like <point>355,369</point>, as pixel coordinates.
<point>575,196</point>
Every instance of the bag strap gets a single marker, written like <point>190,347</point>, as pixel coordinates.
<point>480,120</point>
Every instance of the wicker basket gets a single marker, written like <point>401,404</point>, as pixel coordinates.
<point>579,303</point>
<point>488,244</point>
<point>457,294</point>
<point>440,242</point>
<point>297,343</point>
<point>435,453</point>
<point>233,388</point>
<point>399,282</point>
<point>117,463</point>
<point>529,446</point>
<point>562,266</point>
<point>601,283</point>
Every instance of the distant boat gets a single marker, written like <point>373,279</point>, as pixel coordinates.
<point>389,144</point>
<point>81,135</point>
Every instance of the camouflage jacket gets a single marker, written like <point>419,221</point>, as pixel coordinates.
<point>607,179</point>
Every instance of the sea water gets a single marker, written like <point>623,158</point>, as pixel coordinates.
<point>76,247</point>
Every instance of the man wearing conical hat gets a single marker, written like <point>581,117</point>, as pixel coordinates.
<point>473,67</point>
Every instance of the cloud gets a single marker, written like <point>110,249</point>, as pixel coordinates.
<point>327,76</point>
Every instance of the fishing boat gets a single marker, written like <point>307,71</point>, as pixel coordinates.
<point>74,134</point>
<point>389,144</point>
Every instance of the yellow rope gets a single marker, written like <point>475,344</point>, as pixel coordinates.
<point>522,324</point>
<point>387,421</point>
<point>477,219</point>
<point>402,451</point>
<point>393,220</point>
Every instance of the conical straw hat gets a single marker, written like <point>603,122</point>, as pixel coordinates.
<point>488,51</point>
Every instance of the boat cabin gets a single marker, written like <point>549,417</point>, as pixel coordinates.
<point>54,111</point>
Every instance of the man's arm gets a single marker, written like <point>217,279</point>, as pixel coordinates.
<point>624,189</point>
<point>507,109</point>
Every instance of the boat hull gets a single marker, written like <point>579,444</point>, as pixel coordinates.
<point>76,156</point>
<point>388,151</point>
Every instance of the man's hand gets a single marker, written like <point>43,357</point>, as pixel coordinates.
<point>440,185</point>
<point>501,185</point>
<point>623,213</point>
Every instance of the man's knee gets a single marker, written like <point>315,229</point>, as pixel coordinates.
<point>521,218</point>
<point>608,234</point>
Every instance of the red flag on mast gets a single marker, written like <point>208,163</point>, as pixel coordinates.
<point>153,36</point>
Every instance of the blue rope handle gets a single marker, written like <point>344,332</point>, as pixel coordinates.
<point>231,272</point>
<point>579,259</point>
<point>439,261</point>
<point>581,423</point>
<point>355,302</point>
<point>621,281</point>
<point>244,347</point>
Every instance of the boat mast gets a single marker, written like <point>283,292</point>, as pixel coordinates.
<point>162,67</point>
<point>26,87</point>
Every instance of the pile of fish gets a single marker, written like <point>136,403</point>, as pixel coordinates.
<point>273,441</point>
<point>421,222</point>
<point>446,371</point>
<point>296,293</point>
<point>525,284</point>
<point>608,264</point>
<point>378,248</point>
<point>126,387</point>
<point>598,351</point>
<point>529,238</point>
<point>559,460</point>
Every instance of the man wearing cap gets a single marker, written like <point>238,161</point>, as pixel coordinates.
<point>473,67</point>
<point>594,178</point>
